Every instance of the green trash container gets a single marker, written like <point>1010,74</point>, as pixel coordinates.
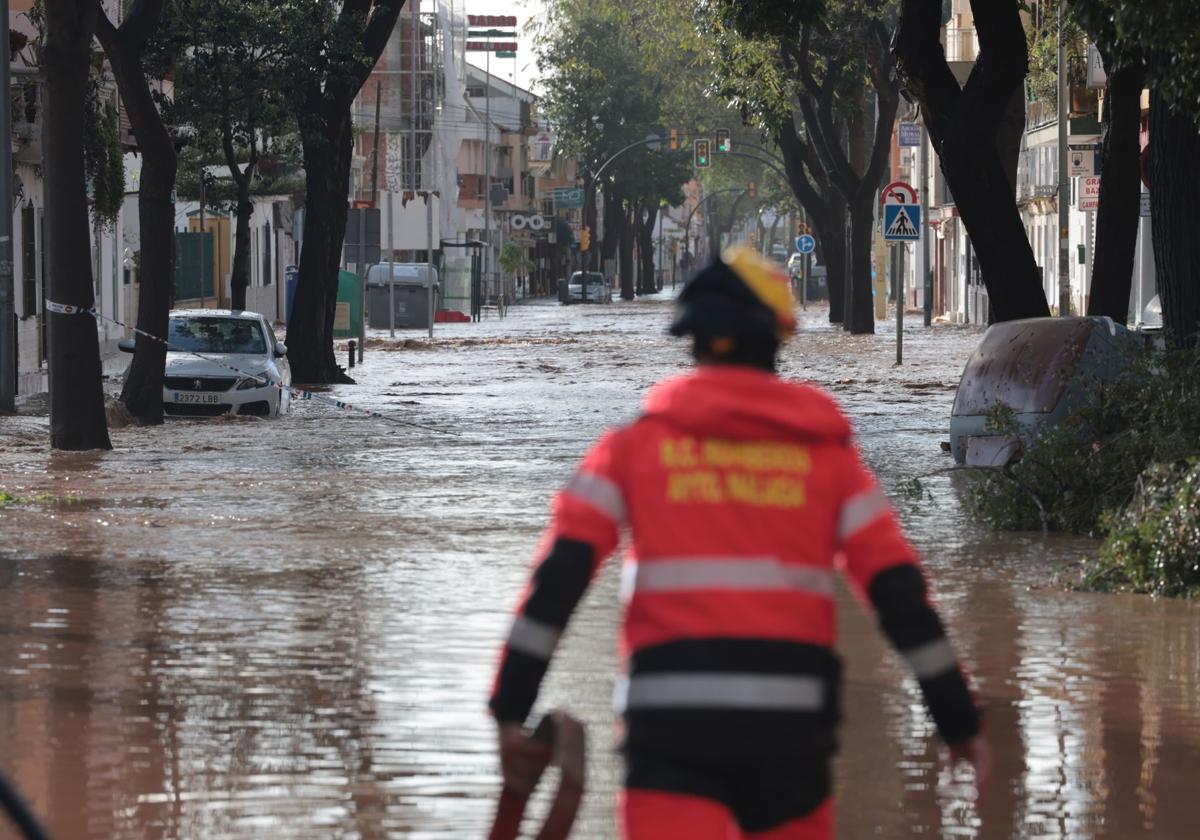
<point>349,303</point>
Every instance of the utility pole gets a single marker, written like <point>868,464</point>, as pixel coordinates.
<point>391,264</point>
<point>923,191</point>
<point>487,168</point>
<point>375,152</point>
<point>8,309</point>
<point>1064,183</point>
<point>203,183</point>
<point>900,303</point>
<point>415,7</point>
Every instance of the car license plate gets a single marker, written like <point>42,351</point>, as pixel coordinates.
<point>197,398</point>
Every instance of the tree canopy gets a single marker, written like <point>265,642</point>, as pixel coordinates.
<point>1165,34</point>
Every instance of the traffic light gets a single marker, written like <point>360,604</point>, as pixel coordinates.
<point>702,158</point>
<point>585,238</point>
<point>674,139</point>
<point>723,145</point>
<point>752,189</point>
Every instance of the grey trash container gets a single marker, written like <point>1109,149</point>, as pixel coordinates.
<point>413,282</point>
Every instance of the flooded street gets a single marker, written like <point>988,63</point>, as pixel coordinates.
<point>287,629</point>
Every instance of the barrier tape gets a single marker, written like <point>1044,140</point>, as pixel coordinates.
<point>298,393</point>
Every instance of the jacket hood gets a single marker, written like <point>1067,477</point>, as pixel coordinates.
<point>744,402</point>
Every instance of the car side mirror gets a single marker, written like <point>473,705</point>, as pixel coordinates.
<point>280,349</point>
<point>127,345</point>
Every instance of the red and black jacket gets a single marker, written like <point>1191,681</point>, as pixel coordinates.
<point>743,495</point>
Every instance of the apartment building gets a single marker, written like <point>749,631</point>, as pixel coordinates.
<point>113,248</point>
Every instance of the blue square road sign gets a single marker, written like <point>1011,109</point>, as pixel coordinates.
<point>902,222</point>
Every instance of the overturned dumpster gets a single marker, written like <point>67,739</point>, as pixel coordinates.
<point>1038,369</point>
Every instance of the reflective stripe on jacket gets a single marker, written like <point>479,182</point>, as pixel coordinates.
<point>743,494</point>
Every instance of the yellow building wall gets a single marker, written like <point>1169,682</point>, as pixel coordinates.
<point>222,261</point>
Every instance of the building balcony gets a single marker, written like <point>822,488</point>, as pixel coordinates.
<point>962,45</point>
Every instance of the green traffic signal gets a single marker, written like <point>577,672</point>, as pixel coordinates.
<point>723,144</point>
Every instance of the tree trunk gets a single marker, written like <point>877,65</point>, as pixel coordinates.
<point>830,228</point>
<point>326,134</point>
<point>626,256</point>
<point>826,211</point>
<point>239,279</point>
<point>645,234</point>
<point>860,302</point>
<point>1174,170</point>
<point>614,214</point>
<point>1120,195</point>
<point>856,171</point>
<point>328,147</point>
<point>77,418</point>
<point>1010,135</point>
<point>142,391</point>
<point>964,125</point>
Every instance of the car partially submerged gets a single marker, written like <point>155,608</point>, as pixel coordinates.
<point>222,361</point>
<point>598,289</point>
<point>1033,373</point>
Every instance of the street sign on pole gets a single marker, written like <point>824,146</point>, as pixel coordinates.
<point>1082,160</point>
<point>806,244</point>
<point>901,213</point>
<point>910,135</point>
<point>902,223</point>
<point>568,198</point>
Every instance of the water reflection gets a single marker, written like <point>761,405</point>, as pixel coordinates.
<point>288,629</point>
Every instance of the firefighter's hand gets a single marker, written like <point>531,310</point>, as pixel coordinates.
<point>976,752</point>
<point>522,759</point>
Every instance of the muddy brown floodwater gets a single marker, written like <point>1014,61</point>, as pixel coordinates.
<point>287,628</point>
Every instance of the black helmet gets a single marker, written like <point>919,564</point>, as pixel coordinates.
<point>739,295</point>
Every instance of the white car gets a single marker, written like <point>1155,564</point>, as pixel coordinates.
<point>598,289</point>
<point>223,362</point>
<point>795,264</point>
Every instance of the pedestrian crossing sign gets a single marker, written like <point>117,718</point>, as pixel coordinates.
<point>902,222</point>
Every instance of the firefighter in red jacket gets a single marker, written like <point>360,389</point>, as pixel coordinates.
<point>743,495</point>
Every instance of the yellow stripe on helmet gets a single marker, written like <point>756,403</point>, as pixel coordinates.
<point>768,283</point>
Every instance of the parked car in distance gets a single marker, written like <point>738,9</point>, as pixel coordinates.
<point>598,289</point>
<point>795,264</point>
<point>223,361</point>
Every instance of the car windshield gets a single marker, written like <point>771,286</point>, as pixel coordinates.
<point>592,280</point>
<point>216,335</point>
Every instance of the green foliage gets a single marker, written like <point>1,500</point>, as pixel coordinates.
<point>1073,475</point>
<point>49,500</point>
<point>1042,81</point>
<point>1153,545</point>
<point>1165,34</point>
<point>103,158</point>
<point>768,18</point>
<point>234,95</point>
<point>513,259</point>
<point>615,74</point>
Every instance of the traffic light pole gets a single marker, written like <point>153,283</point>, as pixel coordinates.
<point>646,142</point>
<point>763,160</point>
